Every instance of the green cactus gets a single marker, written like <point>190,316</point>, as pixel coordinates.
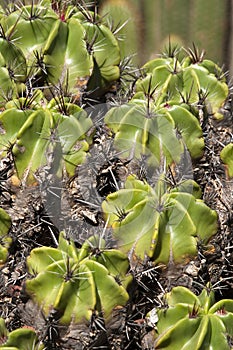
<point>35,133</point>
<point>197,81</point>
<point>53,55</point>
<point>59,46</point>
<point>5,240</point>
<point>227,158</point>
<point>194,322</point>
<point>28,27</point>
<point>14,116</point>
<point>49,54</point>
<point>19,339</point>
<point>31,143</point>
<point>145,129</point>
<point>162,223</point>
<point>163,80</point>
<point>77,281</point>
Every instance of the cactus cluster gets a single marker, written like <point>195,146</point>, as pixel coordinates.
<point>165,118</point>
<point>50,54</point>
<point>39,48</point>
<point>56,59</point>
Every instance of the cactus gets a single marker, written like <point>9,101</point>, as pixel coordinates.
<point>19,339</point>
<point>227,158</point>
<point>32,141</point>
<point>5,240</point>
<point>194,322</point>
<point>77,281</point>
<point>49,55</point>
<point>193,80</point>
<point>59,46</point>
<point>56,57</point>
<point>28,27</point>
<point>145,129</point>
<point>13,59</point>
<point>162,223</point>
<point>163,79</point>
<point>36,133</point>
